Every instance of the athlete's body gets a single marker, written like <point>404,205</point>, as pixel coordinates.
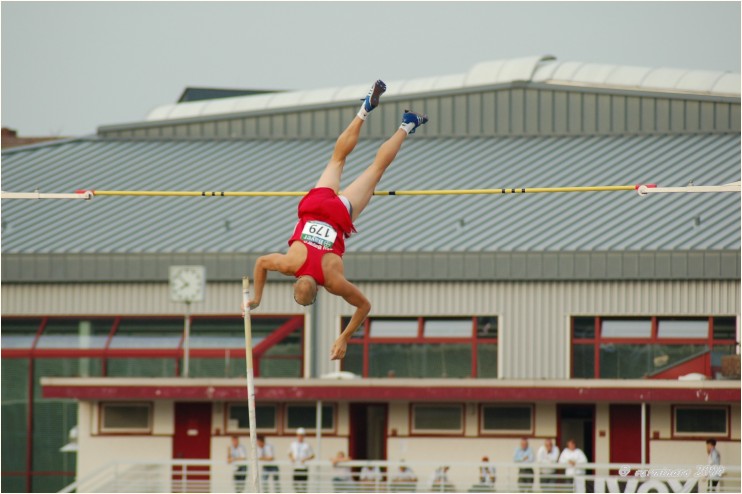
<point>326,218</point>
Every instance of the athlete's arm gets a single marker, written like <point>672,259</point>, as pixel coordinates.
<point>270,262</point>
<point>338,285</point>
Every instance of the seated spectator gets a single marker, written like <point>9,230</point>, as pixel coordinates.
<point>342,478</point>
<point>439,482</point>
<point>486,477</point>
<point>404,480</point>
<point>370,478</point>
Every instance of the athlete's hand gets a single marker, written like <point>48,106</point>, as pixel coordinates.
<point>338,349</point>
<point>253,305</point>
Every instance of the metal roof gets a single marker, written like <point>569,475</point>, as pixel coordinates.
<point>615,221</point>
<point>541,69</point>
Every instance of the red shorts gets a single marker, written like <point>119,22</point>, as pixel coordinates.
<point>324,224</point>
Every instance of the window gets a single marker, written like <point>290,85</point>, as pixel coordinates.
<point>238,418</point>
<point>19,333</point>
<point>74,333</point>
<point>633,348</point>
<point>394,328</point>
<point>127,418</point>
<point>444,347</point>
<point>626,328</point>
<point>440,419</point>
<point>507,419</point>
<point>683,328</point>
<point>447,328</point>
<point>305,415</point>
<point>148,333</point>
<point>701,421</point>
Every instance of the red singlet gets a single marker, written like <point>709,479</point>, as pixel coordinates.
<point>324,224</point>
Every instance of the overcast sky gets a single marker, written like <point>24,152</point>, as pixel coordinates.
<point>70,67</point>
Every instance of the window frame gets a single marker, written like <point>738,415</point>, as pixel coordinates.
<point>277,415</point>
<point>103,431</point>
<point>294,323</point>
<point>436,432</point>
<point>473,340</point>
<point>654,339</point>
<point>286,430</point>
<point>506,432</point>
<point>674,434</point>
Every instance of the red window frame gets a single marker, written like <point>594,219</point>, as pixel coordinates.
<point>294,323</point>
<point>472,340</point>
<point>597,340</point>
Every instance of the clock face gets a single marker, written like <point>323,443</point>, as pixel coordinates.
<point>187,283</point>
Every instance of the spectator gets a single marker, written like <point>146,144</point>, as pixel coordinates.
<point>714,462</point>
<point>548,454</point>
<point>300,452</point>
<point>439,482</point>
<point>268,472</point>
<point>342,478</point>
<point>486,477</point>
<point>236,452</point>
<point>486,472</point>
<point>572,456</point>
<point>404,480</point>
<point>524,454</point>
<point>370,477</point>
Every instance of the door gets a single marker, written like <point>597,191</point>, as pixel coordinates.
<point>626,433</point>
<point>368,424</point>
<point>577,422</point>
<point>192,440</point>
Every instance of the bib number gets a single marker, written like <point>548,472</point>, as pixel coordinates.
<point>319,233</point>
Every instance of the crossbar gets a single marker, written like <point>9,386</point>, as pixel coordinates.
<point>642,190</point>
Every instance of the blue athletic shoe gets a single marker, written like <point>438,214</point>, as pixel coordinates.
<point>372,100</point>
<point>414,118</point>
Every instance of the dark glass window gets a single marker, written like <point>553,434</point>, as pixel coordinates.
<point>447,418</point>
<point>265,418</point>
<point>701,421</point>
<point>306,416</point>
<point>725,328</point>
<point>584,327</point>
<point>496,418</point>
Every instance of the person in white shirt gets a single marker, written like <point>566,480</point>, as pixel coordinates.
<point>404,480</point>
<point>486,472</point>
<point>342,476</point>
<point>300,452</point>
<point>265,453</point>
<point>572,456</point>
<point>439,481</point>
<point>370,478</point>
<point>548,454</point>
<point>714,460</point>
<point>236,452</point>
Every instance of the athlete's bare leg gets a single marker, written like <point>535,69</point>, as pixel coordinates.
<point>344,145</point>
<point>360,191</point>
<point>347,141</point>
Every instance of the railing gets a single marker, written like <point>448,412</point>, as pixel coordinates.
<point>383,476</point>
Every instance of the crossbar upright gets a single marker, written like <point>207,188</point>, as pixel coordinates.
<point>254,473</point>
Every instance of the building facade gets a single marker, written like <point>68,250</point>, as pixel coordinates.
<point>493,317</point>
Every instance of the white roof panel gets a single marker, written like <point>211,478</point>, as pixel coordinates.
<point>544,69</point>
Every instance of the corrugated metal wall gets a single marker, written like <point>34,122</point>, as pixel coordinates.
<point>534,109</point>
<point>534,331</point>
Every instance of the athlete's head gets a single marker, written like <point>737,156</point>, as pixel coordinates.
<point>305,290</point>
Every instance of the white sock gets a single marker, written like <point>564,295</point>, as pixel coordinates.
<point>407,127</point>
<point>362,113</point>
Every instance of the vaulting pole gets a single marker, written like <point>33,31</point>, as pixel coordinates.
<point>254,474</point>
